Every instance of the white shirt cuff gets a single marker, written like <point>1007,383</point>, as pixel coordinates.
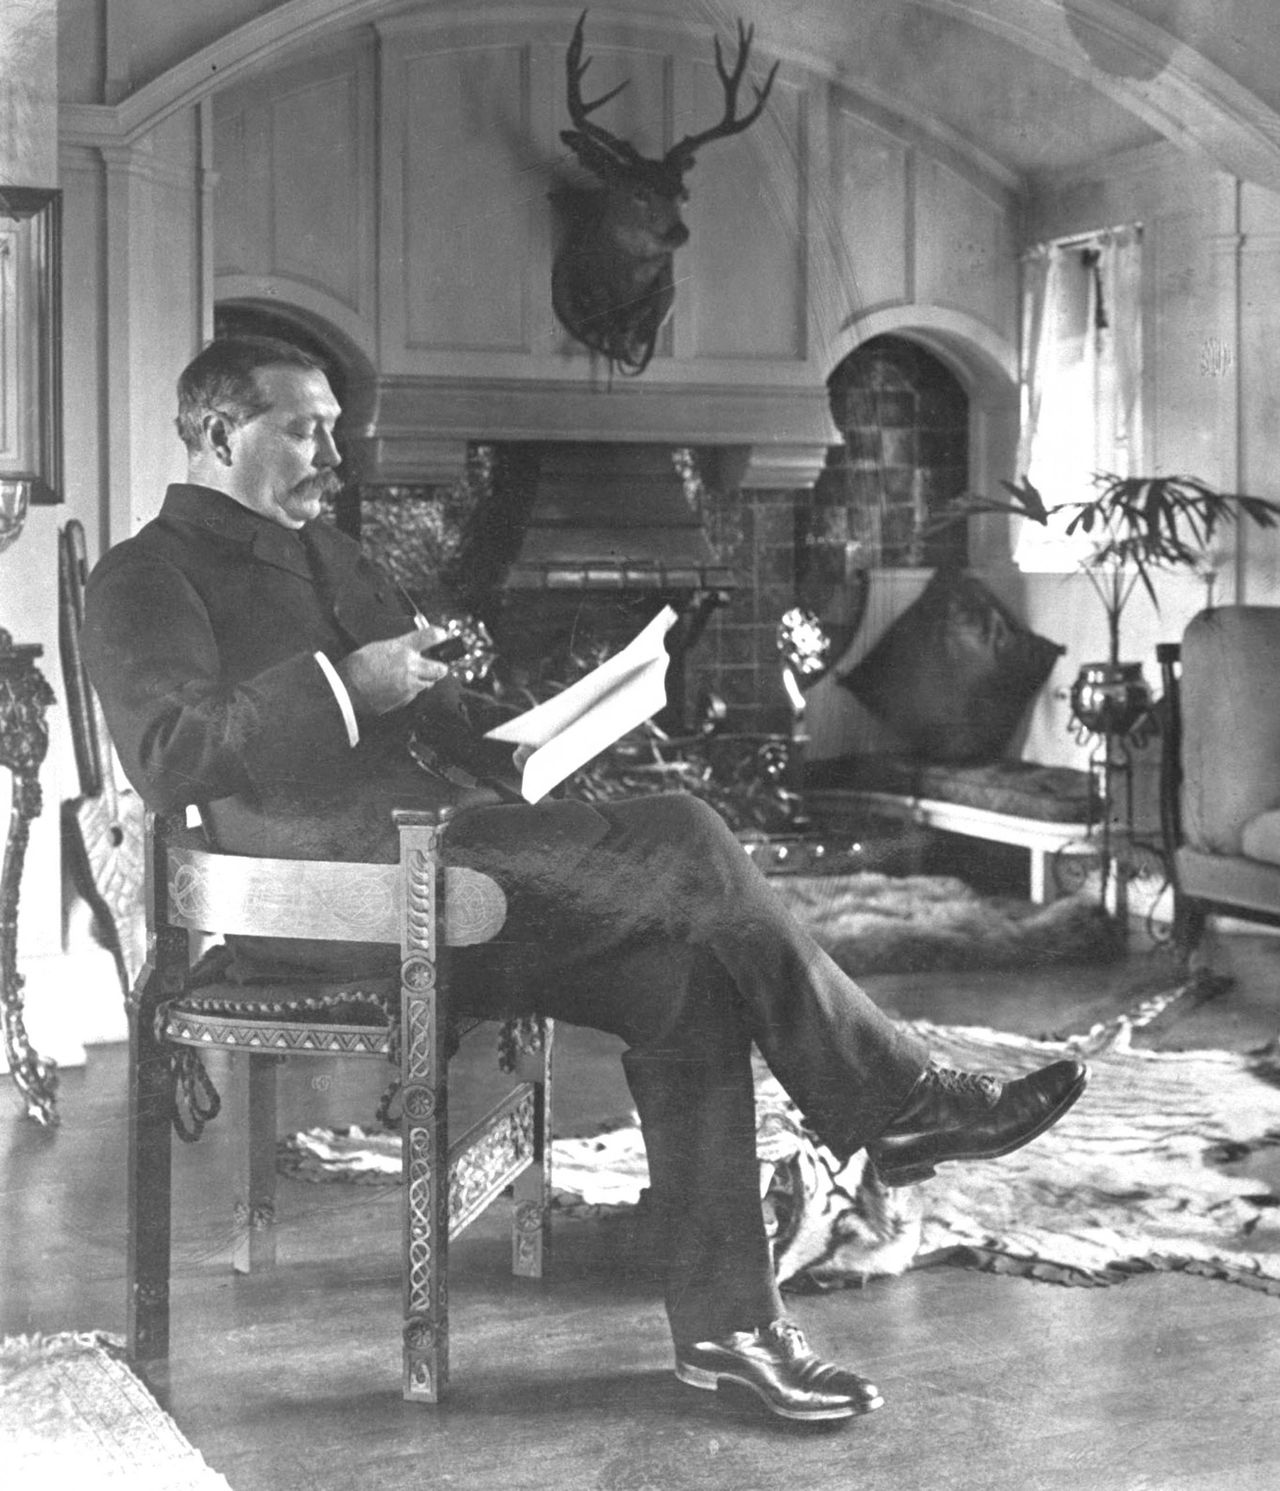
<point>344,699</point>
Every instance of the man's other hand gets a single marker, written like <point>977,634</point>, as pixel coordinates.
<point>381,676</point>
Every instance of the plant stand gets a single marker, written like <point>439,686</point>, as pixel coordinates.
<point>1123,855</point>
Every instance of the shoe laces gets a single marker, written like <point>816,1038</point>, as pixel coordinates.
<point>788,1337</point>
<point>979,1084</point>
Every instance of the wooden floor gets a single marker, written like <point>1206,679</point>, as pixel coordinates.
<point>290,1380</point>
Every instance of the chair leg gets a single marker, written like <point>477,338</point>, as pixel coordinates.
<point>424,1097</point>
<point>149,1182</point>
<point>1189,922</point>
<point>255,1244</point>
<point>531,1219</point>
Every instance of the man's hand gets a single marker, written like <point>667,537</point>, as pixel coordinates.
<point>381,676</point>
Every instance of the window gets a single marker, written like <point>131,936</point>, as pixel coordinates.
<point>1081,380</point>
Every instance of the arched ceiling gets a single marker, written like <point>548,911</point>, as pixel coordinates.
<point>1028,87</point>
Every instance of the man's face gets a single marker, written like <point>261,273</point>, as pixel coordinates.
<point>282,461</point>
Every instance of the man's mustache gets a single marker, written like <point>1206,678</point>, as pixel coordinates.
<point>324,485</point>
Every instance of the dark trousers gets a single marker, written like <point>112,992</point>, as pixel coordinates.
<point>663,932</point>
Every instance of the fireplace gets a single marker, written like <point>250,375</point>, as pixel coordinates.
<point>564,549</point>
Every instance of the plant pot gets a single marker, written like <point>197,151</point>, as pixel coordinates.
<point>1110,698</point>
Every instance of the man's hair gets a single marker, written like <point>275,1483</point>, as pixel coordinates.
<point>222,380</point>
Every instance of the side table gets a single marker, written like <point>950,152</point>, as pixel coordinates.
<point>24,739</point>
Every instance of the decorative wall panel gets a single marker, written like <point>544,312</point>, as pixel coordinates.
<point>866,214</point>
<point>315,229</point>
<point>296,194</point>
<point>744,268</point>
<point>233,240</point>
<point>468,198</point>
<point>966,258</point>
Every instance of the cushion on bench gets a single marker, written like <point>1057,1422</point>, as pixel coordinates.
<point>1020,789</point>
<point>952,677</point>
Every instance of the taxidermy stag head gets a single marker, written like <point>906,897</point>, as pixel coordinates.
<point>612,284</point>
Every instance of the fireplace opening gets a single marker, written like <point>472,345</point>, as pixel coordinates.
<point>564,550</point>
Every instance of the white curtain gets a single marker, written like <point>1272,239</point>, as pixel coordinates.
<point>1081,380</point>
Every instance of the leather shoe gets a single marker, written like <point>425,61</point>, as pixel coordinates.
<point>776,1363</point>
<point>953,1115</point>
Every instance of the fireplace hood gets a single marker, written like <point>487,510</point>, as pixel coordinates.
<point>612,517</point>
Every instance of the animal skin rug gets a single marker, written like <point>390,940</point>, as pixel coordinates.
<point>873,923</point>
<point>1131,1180</point>
<point>73,1414</point>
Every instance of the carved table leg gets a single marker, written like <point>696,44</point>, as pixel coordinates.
<point>24,738</point>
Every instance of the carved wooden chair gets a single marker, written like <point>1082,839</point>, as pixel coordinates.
<point>427,908</point>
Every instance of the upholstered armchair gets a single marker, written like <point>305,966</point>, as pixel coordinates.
<point>1221,767</point>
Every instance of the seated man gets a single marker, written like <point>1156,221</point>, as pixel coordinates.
<point>253,664</point>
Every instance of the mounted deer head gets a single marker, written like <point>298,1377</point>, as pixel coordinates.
<point>611,284</point>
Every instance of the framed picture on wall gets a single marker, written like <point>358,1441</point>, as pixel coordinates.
<point>30,347</point>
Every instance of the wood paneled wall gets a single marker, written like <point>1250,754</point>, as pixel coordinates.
<point>398,186</point>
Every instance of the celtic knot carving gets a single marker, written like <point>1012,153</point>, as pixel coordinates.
<point>418,1039</point>
<point>421,1201</point>
<point>187,891</point>
<point>365,904</point>
<point>475,906</point>
<point>482,1170</point>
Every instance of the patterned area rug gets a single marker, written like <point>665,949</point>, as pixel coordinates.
<point>873,923</point>
<point>1136,1178</point>
<point>72,1415</point>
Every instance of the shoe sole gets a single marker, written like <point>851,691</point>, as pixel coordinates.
<point>704,1378</point>
<point>909,1175</point>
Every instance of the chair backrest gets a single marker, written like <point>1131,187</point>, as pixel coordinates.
<point>322,900</point>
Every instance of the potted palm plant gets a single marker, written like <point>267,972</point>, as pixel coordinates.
<point>1137,525</point>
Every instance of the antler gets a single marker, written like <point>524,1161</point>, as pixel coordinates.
<point>620,151</point>
<point>681,154</point>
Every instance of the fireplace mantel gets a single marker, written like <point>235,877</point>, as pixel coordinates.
<point>417,429</point>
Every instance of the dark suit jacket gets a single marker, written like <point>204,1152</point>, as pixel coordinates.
<point>200,637</point>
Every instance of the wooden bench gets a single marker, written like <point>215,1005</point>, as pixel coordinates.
<point>975,802</point>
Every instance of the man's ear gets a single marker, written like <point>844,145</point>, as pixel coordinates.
<point>217,434</point>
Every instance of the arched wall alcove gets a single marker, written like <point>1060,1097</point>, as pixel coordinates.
<point>985,365</point>
<point>903,417</point>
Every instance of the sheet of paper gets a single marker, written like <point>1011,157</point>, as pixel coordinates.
<point>581,721</point>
